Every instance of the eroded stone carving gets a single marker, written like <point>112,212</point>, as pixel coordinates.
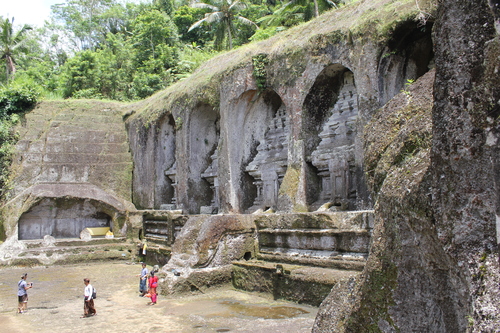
<point>269,165</point>
<point>210,175</point>
<point>334,156</point>
<point>172,175</point>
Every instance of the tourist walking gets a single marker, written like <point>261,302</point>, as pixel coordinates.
<point>22,294</point>
<point>153,283</point>
<point>143,289</point>
<point>88,300</point>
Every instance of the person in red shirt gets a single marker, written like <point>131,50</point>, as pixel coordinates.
<point>153,284</point>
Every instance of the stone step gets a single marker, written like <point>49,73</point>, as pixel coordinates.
<point>343,220</point>
<point>70,243</point>
<point>70,251</point>
<point>301,284</point>
<point>354,262</point>
<point>329,241</point>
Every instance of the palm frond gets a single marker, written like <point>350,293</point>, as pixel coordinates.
<point>205,6</point>
<point>237,6</point>
<point>246,21</point>
<point>214,17</point>
<point>196,24</point>
<point>331,3</point>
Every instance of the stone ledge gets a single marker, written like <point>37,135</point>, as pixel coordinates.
<point>296,283</point>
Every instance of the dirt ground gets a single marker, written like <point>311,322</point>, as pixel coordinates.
<point>56,304</point>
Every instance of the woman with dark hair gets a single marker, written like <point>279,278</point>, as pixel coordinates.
<point>153,283</point>
<point>22,294</point>
<point>88,301</point>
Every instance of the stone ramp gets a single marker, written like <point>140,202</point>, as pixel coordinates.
<point>75,142</point>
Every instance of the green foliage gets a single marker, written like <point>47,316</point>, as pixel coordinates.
<point>108,49</point>
<point>166,6</point>
<point>15,99</point>
<point>186,16</point>
<point>88,20</point>
<point>18,98</point>
<point>265,33</point>
<point>192,57</point>
<point>145,84</point>
<point>223,15</point>
<point>12,43</point>
<point>154,36</point>
<point>79,73</point>
<point>259,70</point>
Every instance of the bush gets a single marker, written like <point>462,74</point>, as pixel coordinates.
<point>8,138</point>
<point>18,97</point>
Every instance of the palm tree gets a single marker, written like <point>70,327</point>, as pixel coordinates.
<point>224,12</point>
<point>11,44</point>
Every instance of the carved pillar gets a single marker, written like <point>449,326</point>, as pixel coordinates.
<point>210,175</point>
<point>172,175</point>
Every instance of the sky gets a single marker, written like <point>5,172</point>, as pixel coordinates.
<point>32,12</point>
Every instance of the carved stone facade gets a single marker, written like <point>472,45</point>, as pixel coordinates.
<point>334,157</point>
<point>269,165</point>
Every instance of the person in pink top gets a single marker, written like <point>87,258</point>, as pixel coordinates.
<point>153,284</point>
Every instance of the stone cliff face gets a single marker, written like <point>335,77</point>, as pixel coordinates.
<point>274,125</point>
<point>464,157</point>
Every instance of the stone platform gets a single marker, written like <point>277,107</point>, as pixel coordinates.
<point>69,251</point>
<point>301,284</point>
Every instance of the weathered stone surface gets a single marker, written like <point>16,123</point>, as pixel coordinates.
<point>465,155</point>
<point>205,248</point>
<point>408,268</point>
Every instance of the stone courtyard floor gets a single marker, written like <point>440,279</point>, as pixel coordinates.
<point>56,304</point>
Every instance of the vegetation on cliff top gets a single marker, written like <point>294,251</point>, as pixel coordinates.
<point>356,21</point>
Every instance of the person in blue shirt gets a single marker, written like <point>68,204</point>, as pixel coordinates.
<point>143,288</point>
<point>22,294</point>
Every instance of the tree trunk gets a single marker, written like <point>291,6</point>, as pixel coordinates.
<point>316,10</point>
<point>229,37</point>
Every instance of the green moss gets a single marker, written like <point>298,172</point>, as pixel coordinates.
<point>377,298</point>
<point>290,184</point>
<point>25,262</point>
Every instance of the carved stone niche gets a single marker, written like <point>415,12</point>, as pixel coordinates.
<point>334,156</point>
<point>210,175</point>
<point>172,175</point>
<point>269,165</point>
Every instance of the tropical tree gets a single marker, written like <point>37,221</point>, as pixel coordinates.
<point>11,44</point>
<point>223,15</point>
<point>87,20</point>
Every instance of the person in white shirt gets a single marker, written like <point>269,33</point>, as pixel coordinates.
<point>88,301</point>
